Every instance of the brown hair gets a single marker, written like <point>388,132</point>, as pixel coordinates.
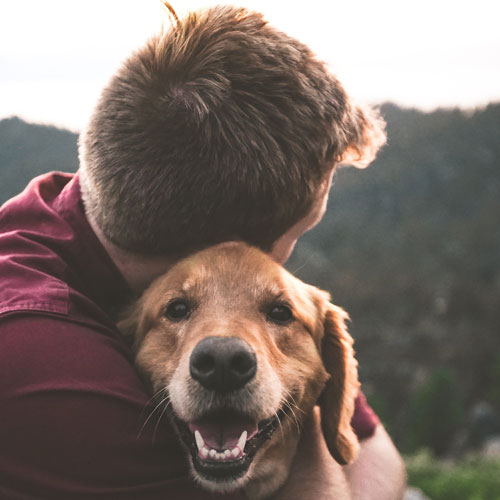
<point>219,128</point>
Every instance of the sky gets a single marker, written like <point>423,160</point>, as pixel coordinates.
<point>56,55</point>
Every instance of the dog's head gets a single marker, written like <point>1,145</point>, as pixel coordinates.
<point>243,350</point>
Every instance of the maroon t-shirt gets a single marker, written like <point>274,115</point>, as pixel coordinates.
<point>75,420</point>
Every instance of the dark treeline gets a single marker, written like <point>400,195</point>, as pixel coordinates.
<point>410,247</point>
<point>27,150</point>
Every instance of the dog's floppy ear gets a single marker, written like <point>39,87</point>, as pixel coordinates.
<point>337,400</point>
<point>134,322</point>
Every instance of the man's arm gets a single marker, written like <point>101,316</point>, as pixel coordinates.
<point>378,472</point>
<point>314,473</point>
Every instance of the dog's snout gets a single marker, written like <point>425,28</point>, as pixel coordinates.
<point>223,364</point>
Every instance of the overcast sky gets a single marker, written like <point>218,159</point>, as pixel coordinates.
<point>56,55</point>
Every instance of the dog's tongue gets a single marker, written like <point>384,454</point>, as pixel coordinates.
<point>222,432</point>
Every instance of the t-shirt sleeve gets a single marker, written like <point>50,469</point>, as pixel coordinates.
<point>75,419</point>
<point>364,421</point>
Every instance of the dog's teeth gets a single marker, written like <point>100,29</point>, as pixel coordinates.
<point>242,441</point>
<point>199,440</point>
<point>222,456</point>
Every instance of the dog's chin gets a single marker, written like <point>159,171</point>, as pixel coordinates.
<point>223,444</point>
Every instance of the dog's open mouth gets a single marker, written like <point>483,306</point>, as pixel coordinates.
<point>224,443</point>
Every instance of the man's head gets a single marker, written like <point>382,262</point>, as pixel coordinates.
<point>220,128</point>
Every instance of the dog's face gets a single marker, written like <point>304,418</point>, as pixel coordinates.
<point>243,350</point>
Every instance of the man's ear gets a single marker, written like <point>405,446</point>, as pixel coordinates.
<point>337,400</point>
<point>365,131</point>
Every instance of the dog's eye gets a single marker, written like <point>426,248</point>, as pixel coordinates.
<point>280,313</point>
<point>177,310</point>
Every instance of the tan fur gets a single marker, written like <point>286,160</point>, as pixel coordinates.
<point>229,285</point>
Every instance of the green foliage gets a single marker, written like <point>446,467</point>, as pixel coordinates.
<point>435,412</point>
<point>472,479</point>
<point>381,407</point>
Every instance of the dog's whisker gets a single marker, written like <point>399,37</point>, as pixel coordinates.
<point>293,415</point>
<point>212,395</point>
<point>166,398</point>
<point>159,419</point>
<point>151,400</point>
<point>289,402</point>
<point>292,401</point>
<point>298,408</point>
<point>148,419</point>
<point>156,396</point>
<point>306,261</point>
<point>280,425</point>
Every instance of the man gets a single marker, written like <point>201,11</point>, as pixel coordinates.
<point>219,129</point>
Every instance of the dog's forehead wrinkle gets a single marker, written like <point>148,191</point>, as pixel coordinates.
<point>257,285</point>
<point>232,273</point>
<point>187,285</point>
<point>223,324</point>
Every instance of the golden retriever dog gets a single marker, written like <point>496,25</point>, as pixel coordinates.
<point>243,351</point>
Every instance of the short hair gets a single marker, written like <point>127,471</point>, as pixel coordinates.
<point>219,128</point>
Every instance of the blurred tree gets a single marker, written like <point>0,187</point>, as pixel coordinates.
<point>435,412</point>
<point>494,382</point>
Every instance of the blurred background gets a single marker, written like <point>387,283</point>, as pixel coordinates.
<point>409,247</point>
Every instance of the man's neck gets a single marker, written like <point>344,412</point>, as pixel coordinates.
<point>138,270</point>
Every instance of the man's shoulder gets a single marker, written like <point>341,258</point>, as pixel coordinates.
<point>50,260</point>
<point>32,278</point>
<point>31,269</point>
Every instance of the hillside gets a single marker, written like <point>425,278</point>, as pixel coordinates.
<point>26,150</point>
<point>410,247</point>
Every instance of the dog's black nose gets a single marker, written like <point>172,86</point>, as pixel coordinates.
<point>222,364</point>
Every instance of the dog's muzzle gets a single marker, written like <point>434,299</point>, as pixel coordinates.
<point>223,442</point>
